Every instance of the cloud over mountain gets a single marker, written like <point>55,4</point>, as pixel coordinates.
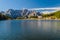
<point>51,8</point>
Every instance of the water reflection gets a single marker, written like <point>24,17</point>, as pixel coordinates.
<point>29,30</point>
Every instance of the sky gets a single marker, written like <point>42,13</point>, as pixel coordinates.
<point>20,4</point>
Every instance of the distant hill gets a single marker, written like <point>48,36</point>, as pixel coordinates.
<point>55,14</point>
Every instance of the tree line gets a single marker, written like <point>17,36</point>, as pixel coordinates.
<point>55,15</point>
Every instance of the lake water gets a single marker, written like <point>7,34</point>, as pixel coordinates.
<point>30,30</point>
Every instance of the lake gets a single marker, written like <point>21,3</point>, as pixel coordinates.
<point>30,30</point>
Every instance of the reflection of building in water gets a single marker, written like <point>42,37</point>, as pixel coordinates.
<point>49,26</point>
<point>39,24</point>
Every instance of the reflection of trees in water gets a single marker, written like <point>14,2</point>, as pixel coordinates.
<point>27,29</point>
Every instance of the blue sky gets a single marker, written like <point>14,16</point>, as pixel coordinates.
<point>19,4</point>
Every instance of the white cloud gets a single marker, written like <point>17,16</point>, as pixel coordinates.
<point>47,12</point>
<point>52,8</point>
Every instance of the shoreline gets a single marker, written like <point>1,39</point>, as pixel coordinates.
<point>36,19</point>
<point>31,19</point>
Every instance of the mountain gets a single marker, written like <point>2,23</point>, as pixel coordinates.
<point>2,12</point>
<point>14,13</point>
<point>20,13</point>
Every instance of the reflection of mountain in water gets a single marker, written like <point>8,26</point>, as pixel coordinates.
<point>29,30</point>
